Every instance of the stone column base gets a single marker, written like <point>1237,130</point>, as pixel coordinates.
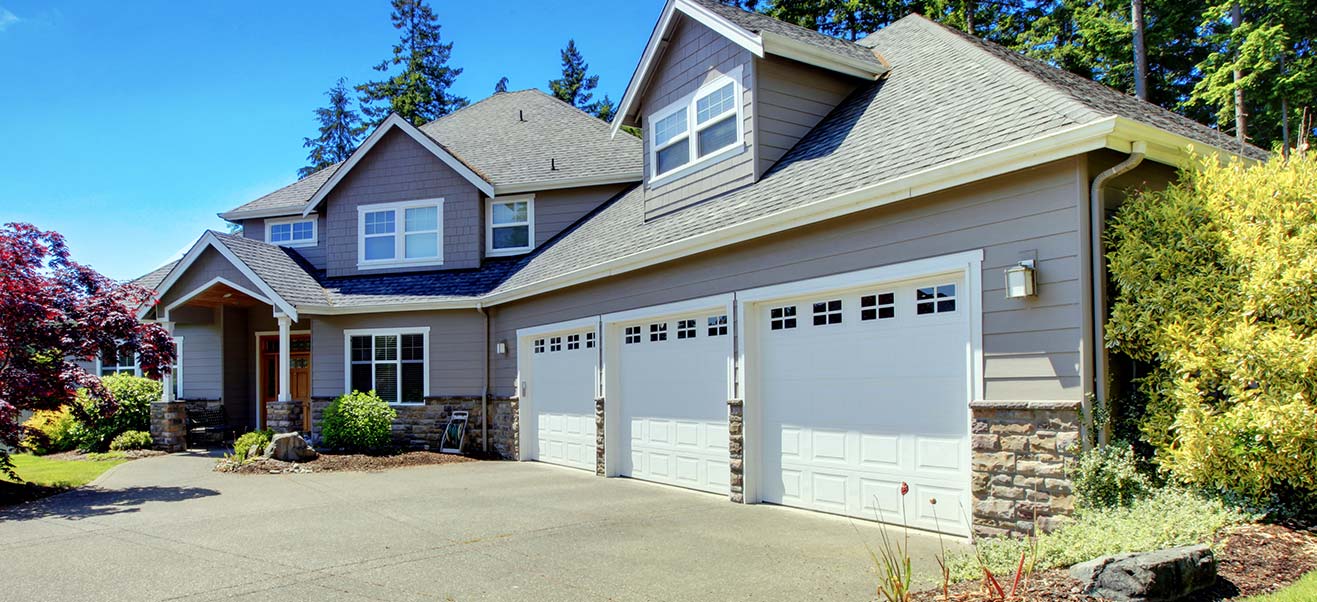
<point>283,416</point>
<point>515,407</point>
<point>1021,454</point>
<point>600,458</point>
<point>169,425</point>
<point>736,448</point>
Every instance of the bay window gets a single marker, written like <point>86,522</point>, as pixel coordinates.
<point>510,225</point>
<point>394,363</point>
<point>704,126</point>
<point>392,234</point>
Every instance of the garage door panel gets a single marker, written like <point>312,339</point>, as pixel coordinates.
<point>854,404</point>
<point>562,390</point>
<point>673,400</point>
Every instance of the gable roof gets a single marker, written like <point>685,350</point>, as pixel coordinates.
<point>757,33</point>
<point>493,149</point>
<point>529,140</point>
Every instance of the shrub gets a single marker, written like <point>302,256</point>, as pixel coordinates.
<point>133,394</point>
<point>50,431</point>
<point>253,439</point>
<point>1167,517</point>
<point>131,440</point>
<point>360,421</point>
<point>1216,290</point>
<point>1109,477</point>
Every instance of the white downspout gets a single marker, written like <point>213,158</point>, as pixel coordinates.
<point>1097,217</point>
<point>484,389</point>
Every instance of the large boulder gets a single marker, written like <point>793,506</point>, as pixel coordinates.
<point>290,447</point>
<point>1162,576</point>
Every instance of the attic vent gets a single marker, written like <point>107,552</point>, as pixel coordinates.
<point>553,164</point>
<point>521,116</point>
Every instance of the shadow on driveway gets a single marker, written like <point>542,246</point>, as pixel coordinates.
<point>90,502</point>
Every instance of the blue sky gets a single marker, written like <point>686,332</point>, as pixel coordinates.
<point>128,126</point>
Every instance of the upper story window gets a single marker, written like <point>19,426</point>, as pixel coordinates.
<point>292,232</point>
<point>400,234</point>
<point>699,128</point>
<point>510,225</point>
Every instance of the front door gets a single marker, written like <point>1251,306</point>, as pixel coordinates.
<point>299,373</point>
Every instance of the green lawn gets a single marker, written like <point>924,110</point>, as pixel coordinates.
<point>1303,590</point>
<point>60,473</point>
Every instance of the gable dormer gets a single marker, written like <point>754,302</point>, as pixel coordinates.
<point>721,94</point>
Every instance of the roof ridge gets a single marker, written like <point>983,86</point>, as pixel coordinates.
<point>712,4</point>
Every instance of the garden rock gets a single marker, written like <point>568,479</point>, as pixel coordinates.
<point>1160,576</point>
<point>290,447</point>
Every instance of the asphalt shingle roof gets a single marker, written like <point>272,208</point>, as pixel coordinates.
<point>283,269</point>
<point>759,23</point>
<point>153,278</point>
<point>292,197</point>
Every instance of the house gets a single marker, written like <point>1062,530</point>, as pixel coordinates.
<point>792,289</point>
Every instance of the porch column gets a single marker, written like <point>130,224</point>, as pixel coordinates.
<point>285,391</point>
<point>167,383</point>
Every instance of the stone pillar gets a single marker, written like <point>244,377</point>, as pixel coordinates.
<point>169,425</point>
<point>283,416</point>
<point>736,448</point>
<point>1020,458</point>
<point>515,402</point>
<point>600,458</point>
<point>285,391</point>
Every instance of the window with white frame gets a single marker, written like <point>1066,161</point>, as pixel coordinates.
<point>393,363</point>
<point>291,232</point>
<point>117,361</point>
<point>409,233</point>
<point>698,128</point>
<point>510,225</point>
<point>176,369</point>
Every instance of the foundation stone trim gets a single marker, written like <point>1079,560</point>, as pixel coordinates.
<point>1021,452</point>
<point>736,448</point>
<point>169,425</point>
<point>600,456</point>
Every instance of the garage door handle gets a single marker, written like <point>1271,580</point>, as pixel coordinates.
<point>523,389</point>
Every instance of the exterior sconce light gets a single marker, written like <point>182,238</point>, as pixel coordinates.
<point>1020,280</point>
<point>501,348</point>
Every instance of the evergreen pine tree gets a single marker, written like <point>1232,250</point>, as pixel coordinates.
<point>502,85</point>
<point>575,85</point>
<point>340,131</point>
<point>419,92</point>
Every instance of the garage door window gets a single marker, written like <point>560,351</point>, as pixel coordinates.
<point>632,334</point>
<point>881,306</point>
<point>717,326</point>
<point>827,312</point>
<point>658,332</point>
<point>589,340</point>
<point>685,329</point>
<point>393,365</point>
<point>935,299</point>
<point>539,345</point>
<point>555,344</point>
<point>781,318</point>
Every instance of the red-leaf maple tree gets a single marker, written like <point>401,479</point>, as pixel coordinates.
<point>54,312</point>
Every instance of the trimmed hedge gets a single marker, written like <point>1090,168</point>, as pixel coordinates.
<point>358,421</point>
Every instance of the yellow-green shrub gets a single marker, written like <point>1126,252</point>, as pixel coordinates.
<point>1216,281</point>
<point>50,431</point>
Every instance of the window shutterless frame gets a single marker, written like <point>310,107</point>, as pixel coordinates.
<point>699,117</point>
<point>491,226</point>
<point>292,231</point>
<point>348,362</point>
<point>398,233</point>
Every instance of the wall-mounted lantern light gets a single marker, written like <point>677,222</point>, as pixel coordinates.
<point>501,348</point>
<point>1020,280</point>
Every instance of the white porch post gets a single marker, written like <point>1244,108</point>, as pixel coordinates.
<point>167,383</point>
<point>285,393</point>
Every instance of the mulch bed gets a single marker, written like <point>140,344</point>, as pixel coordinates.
<point>343,462</point>
<point>123,455</point>
<point>1251,560</point>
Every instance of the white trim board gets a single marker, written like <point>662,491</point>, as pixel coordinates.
<point>394,121</point>
<point>313,218</point>
<point>212,282</point>
<point>209,240</point>
<point>424,331</point>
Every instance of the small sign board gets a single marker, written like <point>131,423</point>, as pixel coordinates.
<point>454,433</point>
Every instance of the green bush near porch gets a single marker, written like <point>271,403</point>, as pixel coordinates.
<point>133,394</point>
<point>255,439</point>
<point>358,421</point>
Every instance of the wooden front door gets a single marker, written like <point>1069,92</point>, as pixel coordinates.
<point>299,373</point>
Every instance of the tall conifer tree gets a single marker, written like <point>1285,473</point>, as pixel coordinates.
<point>418,91</point>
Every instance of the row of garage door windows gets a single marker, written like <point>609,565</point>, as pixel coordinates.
<point>878,306</point>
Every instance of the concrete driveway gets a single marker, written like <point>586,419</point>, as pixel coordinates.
<point>169,528</point>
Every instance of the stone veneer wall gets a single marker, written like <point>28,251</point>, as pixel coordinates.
<point>600,458</point>
<point>1021,454</point>
<point>422,426</point>
<point>284,416</point>
<point>736,448</point>
<point>169,425</point>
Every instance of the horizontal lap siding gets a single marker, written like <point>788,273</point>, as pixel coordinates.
<point>694,56</point>
<point>1031,346</point>
<point>792,98</point>
<point>207,267</point>
<point>199,328</point>
<point>456,349</point>
<point>555,210</point>
<point>399,169</point>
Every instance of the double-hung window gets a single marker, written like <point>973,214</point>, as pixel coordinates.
<point>291,232</point>
<point>510,225</point>
<point>701,127</point>
<point>117,361</point>
<point>393,234</point>
<point>394,363</point>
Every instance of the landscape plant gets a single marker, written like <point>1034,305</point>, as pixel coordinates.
<point>50,431</point>
<point>1109,476</point>
<point>130,440</point>
<point>1216,292</point>
<point>98,425</point>
<point>358,421</point>
<point>254,439</point>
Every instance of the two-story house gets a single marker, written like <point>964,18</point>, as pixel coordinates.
<point>826,268</point>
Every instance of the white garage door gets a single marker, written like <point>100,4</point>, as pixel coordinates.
<point>561,393</point>
<point>862,391</point>
<point>673,384</point>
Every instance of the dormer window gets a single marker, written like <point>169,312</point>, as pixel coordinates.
<point>291,232</point>
<point>400,234</point>
<point>701,128</point>
<point>509,225</point>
